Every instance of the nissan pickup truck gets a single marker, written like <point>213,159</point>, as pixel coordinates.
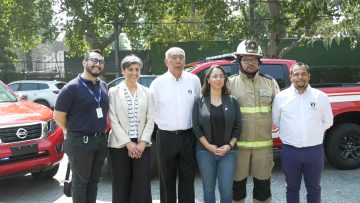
<point>30,140</point>
<point>342,140</point>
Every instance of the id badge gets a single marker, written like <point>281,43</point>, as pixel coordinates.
<point>99,112</point>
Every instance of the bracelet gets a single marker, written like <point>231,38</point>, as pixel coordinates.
<point>230,146</point>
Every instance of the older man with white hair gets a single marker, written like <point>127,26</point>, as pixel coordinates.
<point>174,94</point>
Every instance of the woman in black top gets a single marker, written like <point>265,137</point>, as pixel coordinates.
<point>217,126</point>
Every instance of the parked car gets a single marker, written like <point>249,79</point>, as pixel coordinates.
<point>43,92</point>
<point>30,140</point>
<point>144,80</point>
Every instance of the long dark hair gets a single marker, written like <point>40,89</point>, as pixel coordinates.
<point>205,90</point>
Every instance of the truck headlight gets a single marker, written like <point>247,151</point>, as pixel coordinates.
<point>48,128</point>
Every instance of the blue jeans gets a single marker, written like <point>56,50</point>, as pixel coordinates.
<point>221,168</point>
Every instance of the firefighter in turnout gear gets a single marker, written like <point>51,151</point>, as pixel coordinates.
<point>255,93</point>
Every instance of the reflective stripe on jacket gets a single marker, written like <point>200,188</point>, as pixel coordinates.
<point>255,97</point>
<point>256,144</point>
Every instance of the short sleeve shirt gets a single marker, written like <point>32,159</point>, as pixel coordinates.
<point>76,100</point>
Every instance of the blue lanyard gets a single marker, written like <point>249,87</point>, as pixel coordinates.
<point>92,93</point>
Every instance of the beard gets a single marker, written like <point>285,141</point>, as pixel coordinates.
<point>92,72</point>
<point>301,85</point>
<point>249,73</point>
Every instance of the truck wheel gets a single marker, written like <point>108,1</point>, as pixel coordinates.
<point>46,174</point>
<point>342,146</point>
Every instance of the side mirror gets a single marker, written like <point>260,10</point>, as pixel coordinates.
<point>23,96</point>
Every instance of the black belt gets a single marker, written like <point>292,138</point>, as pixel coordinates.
<point>178,132</point>
<point>90,134</point>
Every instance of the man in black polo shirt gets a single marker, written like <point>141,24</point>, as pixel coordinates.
<point>81,109</point>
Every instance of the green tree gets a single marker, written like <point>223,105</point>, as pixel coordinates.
<point>97,23</point>
<point>268,22</point>
<point>23,25</point>
<point>179,21</point>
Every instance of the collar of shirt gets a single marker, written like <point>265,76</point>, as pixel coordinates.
<point>292,87</point>
<point>89,81</point>
<point>183,75</point>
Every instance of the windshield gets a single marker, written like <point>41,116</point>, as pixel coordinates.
<point>6,95</point>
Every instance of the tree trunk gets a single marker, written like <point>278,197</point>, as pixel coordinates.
<point>29,64</point>
<point>276,30</point>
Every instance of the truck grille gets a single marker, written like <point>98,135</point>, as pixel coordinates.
<point>26,132</point>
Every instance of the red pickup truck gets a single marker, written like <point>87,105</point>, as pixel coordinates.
<point>30,140</point>
<point>342,140</point>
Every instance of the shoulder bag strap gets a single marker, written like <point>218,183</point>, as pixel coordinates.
<point>67,171</point>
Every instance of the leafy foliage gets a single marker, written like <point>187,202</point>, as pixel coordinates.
<point>97,23</point>
<point>24,24</point>
<point>94,23</point>
<point>268,22</point>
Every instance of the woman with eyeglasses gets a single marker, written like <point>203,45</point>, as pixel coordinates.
<point>217,126</point>
<point>132,123</point>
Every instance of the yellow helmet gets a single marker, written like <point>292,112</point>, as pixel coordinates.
<point>248,47</point>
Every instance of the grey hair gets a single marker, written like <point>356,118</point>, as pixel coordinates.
<point>129,60</point>
<point>174,50</point>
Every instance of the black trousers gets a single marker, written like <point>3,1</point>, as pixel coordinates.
<point>176,154</point>
<point>86,156</point>
<point>130,177</point>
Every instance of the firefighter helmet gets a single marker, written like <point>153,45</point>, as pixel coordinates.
<point>248,47</point>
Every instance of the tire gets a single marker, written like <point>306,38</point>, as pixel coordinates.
<point>46,174</point>
<point>342,146</point>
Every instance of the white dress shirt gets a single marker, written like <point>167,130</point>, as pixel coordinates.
<point>302,118</point>
<point>174,100</point>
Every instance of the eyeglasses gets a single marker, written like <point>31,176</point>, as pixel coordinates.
<point>250,61</point>
<point>214,77</point>
<point>95,61</point>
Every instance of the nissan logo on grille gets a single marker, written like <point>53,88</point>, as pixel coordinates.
<point>21,133</point>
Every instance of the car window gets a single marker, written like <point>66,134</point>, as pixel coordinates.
<point>143,81</point>
<point>146,81</point>
<point>60,85</point>
<point>278,72</point>
<point>42,86</point>
<point>202,74</point>
<point>114,83</point>
<point>14,87</point>
<point>5,95</point>
<point>28,86</point>
<point>231,69</point>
